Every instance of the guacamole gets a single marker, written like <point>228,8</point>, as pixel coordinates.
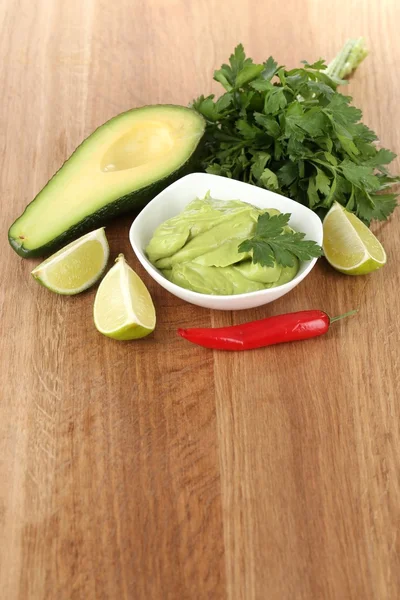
<point>198,249</point>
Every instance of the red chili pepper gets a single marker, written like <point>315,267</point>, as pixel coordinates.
<point>265,332</point>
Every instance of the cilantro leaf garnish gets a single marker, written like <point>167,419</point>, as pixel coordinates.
<point>274,242</point>
<point>292,132</point>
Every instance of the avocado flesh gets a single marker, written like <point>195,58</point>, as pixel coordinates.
<point>118,168</point>
<point>199,249</point>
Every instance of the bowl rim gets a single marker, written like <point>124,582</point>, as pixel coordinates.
<point>158,276</point>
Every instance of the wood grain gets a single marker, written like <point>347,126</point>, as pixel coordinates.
<point>156,470</point>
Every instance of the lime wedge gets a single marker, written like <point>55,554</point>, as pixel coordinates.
<point>76,267</point>
<point>123,308</point>
<point>349,246</point>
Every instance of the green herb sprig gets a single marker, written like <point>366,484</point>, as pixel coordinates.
<point>274,241</point>
<point>292,132</point>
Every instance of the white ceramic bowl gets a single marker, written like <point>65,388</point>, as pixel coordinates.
<point>173,200</point>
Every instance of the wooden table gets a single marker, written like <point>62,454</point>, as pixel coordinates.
<point>156,470</point>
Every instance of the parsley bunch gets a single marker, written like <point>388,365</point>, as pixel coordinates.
<point>293,133</point>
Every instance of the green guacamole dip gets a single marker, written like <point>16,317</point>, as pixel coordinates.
<point>198,249</point>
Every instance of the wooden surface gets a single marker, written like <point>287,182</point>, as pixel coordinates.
<point>156,470</point>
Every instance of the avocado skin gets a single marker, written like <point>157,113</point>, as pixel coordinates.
<point>131,202</point>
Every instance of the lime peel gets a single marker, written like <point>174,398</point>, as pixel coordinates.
<point>77,266</point>
<point>123,308</point>
<point>349,246</point>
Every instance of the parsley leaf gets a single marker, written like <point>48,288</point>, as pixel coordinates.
<point>359,175</point>
<point>322,182</point>
<point>258,166</point>
<point>247,74</point>
<point>270,68</point>
<point>377,206</point>
<point>207,107</point>
<point>274,241</point>
<point>319,65</point>
<point>269,179</point>
<point>382,157</point>
<point>274,101</point>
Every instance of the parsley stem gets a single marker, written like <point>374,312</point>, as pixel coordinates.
<point>348,59</point>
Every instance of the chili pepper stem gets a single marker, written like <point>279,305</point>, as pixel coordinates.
<point>343,316</point>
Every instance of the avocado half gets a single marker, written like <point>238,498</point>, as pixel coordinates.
<point>118,168</point>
